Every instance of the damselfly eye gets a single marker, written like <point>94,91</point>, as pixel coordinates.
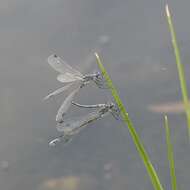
<point>98,75</point>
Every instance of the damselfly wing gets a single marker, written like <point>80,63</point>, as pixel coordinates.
<point>67,73</point>
<point>71,127</point>
<point>65,105</point>
<point>58,91</point>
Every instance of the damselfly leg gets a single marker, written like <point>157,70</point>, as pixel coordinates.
<point>100,81</point>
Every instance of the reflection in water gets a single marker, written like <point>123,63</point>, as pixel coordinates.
<point>69,183</point>
<point>168,107</point>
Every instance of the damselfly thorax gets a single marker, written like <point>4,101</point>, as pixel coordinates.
<point>72,126</point>
<point>69,74</point>
<point>75,80</point>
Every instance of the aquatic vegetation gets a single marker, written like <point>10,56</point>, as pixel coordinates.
<point>170,154</point>
<point>68,74</point>
<point>136,139</point>
<point>180,67</point>
<point>141,150</point>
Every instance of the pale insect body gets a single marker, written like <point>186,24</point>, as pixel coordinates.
<point>67,74</point>
<point>67,77</point>
<point>71,127</point>
<point>71,75</point>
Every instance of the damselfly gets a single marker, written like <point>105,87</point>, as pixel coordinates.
<point>70,75</point>
<point>75,79</point>
<point>71,127</point>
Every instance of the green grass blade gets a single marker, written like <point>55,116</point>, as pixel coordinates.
<point>141,150</point>
<point>170,155</point>
<point>180,68</point>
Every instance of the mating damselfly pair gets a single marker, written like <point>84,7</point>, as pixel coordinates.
<point>76,81</point>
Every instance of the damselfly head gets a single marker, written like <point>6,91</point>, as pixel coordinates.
<point>98,75</point>
<point>114,109</point>
<point>98,78</point>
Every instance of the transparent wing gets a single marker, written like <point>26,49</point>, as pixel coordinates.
<point>58,91</point>
<point>73,125</point>
<point>67,77</point>
<point>65,105</point>
<point>61,66</point>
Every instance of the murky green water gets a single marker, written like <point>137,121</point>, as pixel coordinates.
<point>139,58</point>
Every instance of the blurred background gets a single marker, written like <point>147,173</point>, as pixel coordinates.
<point>134,43</point>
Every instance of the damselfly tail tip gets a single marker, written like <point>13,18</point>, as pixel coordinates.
<point>48,97</point>
<point>45,98</point>
<point>54,142</point>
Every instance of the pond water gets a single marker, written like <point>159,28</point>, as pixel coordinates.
<point>134,44</point>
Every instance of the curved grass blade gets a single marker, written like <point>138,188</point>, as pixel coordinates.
<point>170,154</point>
<point>180,67</point>
<point>141,150</point>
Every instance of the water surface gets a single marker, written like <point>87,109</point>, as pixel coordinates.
<point>139,57</point>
